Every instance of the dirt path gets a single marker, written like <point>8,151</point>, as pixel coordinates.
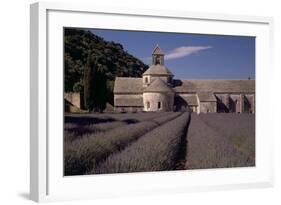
<point>182,152</point>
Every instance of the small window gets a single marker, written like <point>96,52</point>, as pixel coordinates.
<point>157,60</point>
<point>148,105</point>
<point>159,105</point>
<point>146,79</point>
<point>169,80</point>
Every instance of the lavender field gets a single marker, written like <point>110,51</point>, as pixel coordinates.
<point>220,140</point>
<point>140,142</point>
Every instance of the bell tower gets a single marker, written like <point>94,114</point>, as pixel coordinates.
<point>157,69</point>
<point>157,56</point>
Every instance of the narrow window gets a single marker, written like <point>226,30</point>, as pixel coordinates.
<point>159,105</point>
<point>146,80</point>
<point>148,105</point>
<point>157,60</point>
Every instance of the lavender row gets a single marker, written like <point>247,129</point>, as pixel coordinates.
<point>157,150</point>
<point>77,130</point>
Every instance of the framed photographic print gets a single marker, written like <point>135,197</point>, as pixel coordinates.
<point>127,102</point>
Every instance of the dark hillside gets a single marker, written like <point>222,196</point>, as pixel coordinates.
<point>115,61</point>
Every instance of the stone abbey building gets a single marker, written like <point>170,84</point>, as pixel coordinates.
<point>158,91</point>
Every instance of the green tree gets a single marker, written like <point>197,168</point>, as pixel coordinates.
<point>95,90</point>
<point>78,87</point>
<point>88,82</point>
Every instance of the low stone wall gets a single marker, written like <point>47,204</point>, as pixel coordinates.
<point>73,98</point>
<point>127,109</point>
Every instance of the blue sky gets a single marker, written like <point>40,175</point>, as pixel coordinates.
<point>191,56</point>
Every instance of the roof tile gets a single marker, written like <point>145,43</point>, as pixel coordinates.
<point>128,85</point>
<point>216,86</point>
<point>158,70</point>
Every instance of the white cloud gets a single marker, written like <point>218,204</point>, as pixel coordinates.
<point>184,51</point>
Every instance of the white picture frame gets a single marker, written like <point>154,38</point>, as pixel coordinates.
<point>46,177</point>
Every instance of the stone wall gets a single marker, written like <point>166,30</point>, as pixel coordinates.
<point>186,102</point>
<point>238,103</point>
<point>226,102</point>
<point>127,109</point>
<point>208,107</point>
<point>235,103</point>
<point>222,102</point>
<point>73,98</point>
<point>128,100</point>
<point>249,98</point>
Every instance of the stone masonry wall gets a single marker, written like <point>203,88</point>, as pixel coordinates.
<point>166,100</point>
<point>73,98</point>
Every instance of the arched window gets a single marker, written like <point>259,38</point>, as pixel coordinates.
<point>157,61</point>
<point>148,105</point>
<point>232,105</point>
<point>159,105</point>
<point>146,79</point>
<point>247,105</point>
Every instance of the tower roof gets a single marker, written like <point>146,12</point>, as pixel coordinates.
<point>158,85</point>
<point>157,51</point>
<point>158,70</point>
